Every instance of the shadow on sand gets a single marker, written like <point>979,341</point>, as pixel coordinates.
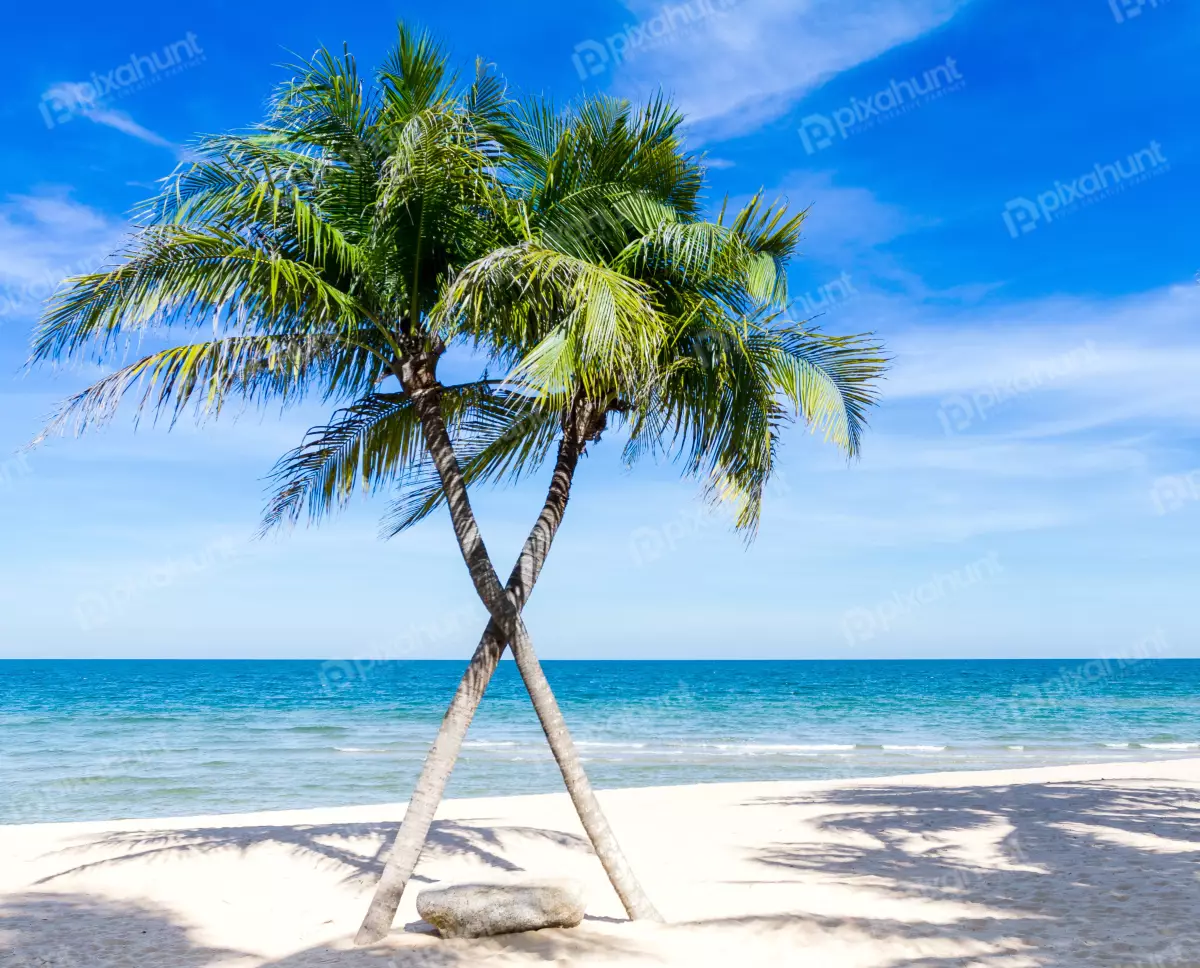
<point>1064,875</point>
<point>1087,873</point>
<point>105,934</point>
<point>327,843</point>
<point>108,934</point>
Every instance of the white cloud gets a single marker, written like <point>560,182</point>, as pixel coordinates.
<point>124,123</point>
<point>44,238</point>
<point>735,70</point>
<point>844,222</point>
<point>916,525</point>
<point>1118,359</point>
<point>1121,357</point>
<point>76,99</point>
<point>1001,456</point>
<point>1030,415</point>
<point>850,229</point>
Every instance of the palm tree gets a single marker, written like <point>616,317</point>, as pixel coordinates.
<point>612,190</point>
<point>320,243</point>
<point>356,234</point>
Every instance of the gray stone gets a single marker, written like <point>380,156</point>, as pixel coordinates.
<point>501,905</point>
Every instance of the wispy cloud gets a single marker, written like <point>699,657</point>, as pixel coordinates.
<point>1143,352</point>
<point>44,238</point>
<point>1033,415</point>
<point>845,221</point>
<point>756,60</point>
<point>125,124</point>
<point>850,229</point>
<point>79,100</point>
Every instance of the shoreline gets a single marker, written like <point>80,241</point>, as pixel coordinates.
<point>1069,865</point>
<point>29,805</point>
<point>394,809</point>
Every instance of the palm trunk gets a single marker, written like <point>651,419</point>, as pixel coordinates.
<point>420,384</point>
<point>637,905</point>
<point>431,785</point>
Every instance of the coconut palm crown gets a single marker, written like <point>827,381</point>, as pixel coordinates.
<point>708,367</point>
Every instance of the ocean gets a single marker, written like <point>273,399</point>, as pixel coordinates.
<point>84,740</point>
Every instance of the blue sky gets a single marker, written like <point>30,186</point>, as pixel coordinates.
<point>1021,234</point>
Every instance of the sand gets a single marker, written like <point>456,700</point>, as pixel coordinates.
<point>1079,865</point>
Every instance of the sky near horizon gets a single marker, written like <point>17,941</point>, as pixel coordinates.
<point>1001,192</point>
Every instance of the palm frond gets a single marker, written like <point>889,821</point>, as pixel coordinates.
<point>371,445</point>
<point>831,381</point>
<point>605,328</point>
<point>205,375</point>
<point>178,276</point>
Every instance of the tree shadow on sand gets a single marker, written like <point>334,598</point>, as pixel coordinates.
<point>79,931</point>
<point>1078,874</point>
<point>359,850</point>
<point>1062,875</point>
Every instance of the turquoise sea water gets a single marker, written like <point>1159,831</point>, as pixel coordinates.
<point>106,739</point>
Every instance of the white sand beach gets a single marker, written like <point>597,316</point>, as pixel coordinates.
<point>1063,866</point>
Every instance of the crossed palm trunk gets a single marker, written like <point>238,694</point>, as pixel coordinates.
<point>506,626</point>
